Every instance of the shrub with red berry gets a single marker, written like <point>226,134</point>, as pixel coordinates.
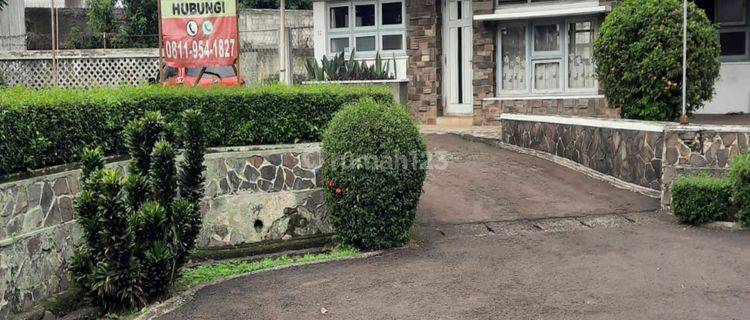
<point>375,166</point>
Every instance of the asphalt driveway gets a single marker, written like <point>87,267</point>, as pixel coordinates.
<point>511,237</point>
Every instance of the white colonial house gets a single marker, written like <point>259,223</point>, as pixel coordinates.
<point>469,61</point>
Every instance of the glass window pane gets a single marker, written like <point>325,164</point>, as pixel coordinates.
<point>731,12</point>
<point>580,51</point>
<point>393,42</point>
<point>546,76</point>
<point>364,15</point>
<point>339,45</point>
<point>547,37</point>
<point>513,56</point>
<point>365,43</point>
<point>339,17</point>
<point>392,13</point>
<point>733,43</point>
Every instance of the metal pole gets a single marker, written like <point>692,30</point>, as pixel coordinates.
<point>53,33</point>
<point>161,44</point>
<point>684,118</point>
<point>282,43</point>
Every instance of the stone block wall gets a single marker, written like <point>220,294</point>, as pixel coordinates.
<point>634,156</point>
<point>484,58</point>
<point>596,107</point>
<point>253,194</point>
<point>423,50</point>
<point>645,153</point>
<point>699,148</point>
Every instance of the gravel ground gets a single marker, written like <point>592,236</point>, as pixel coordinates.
<point>508,236</point>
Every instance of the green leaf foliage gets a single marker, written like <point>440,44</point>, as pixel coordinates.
<point>698,199</point>
<point>739,176</point>
<point>340,69</point>
<point>375,167</point>
<point>138,233</point>
<point>639,57</point>
<point>50,127</point>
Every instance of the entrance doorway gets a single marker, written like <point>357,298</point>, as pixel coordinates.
<point>457,57</point>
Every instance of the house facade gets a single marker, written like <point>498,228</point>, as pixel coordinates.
<point>468,61</point>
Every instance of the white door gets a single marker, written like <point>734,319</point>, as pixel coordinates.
<point>457,57</point>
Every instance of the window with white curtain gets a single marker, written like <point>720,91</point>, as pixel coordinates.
<point>551,56</point>
<point>367,26</point>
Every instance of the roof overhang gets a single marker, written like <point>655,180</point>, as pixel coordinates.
<point>533,12</point>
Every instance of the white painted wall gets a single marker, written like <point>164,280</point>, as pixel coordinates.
<point>732,90</point>
<point>319,29</point>
<point>13,26</point>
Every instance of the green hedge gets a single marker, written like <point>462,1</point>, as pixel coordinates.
<point>739,177</point>
<point>701,198</point>
<point>50,127</point>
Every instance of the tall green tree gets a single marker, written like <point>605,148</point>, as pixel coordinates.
<point>101,16</point>
<point>142,26</point>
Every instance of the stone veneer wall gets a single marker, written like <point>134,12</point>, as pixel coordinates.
<point>649,154</point>
<point>630,155</point>
<point>253,194</point>
<point>596,107</point>
<point>423,71</point>
<point>689,149</point>
<point>485,34</point>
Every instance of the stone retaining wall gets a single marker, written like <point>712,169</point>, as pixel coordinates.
<point>253,194</point>
<point>645,153</point>
<point>689,149</point>
<point>632,154</point>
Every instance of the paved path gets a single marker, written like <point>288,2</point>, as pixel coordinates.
<point>534,253</point>
<point>486,183</point>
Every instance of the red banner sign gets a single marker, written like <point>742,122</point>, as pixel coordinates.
<point>199,33</point>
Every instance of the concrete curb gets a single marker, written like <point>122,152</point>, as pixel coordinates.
<point>171,304</point>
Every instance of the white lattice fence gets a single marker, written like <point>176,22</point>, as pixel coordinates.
<point>80,68</point>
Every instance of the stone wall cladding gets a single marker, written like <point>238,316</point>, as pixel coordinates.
<point>629,155</point>
<point>582,107</point>
<point>423,71</point>
<point>689,150</point>
<point>252,195</point>
<point>483,59</point>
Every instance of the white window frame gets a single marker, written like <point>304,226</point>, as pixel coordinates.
<point>566,54</point>
<point>499,57</point>
<point>382,26</point>
<point>735,27</point>
<point>337,36</point>
<point>559,77</point>
<point>394,33</point>
<point>533,58</point>
<point>730,24</point>
<point>367,34</point>
<point>560,42</point>
<point>353,32</point>
<point>328,16</point>
<point>373,27</point>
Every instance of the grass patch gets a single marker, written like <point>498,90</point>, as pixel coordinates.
<point>195,276</point>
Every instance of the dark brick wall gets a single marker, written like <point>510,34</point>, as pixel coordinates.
<point>423,32</point>
<point>583,107</point>
<point>484,59</point>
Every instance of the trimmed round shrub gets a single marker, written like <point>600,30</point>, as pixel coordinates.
<point>375,165</point>
<point>701,198</point>
<point>639,57</point>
